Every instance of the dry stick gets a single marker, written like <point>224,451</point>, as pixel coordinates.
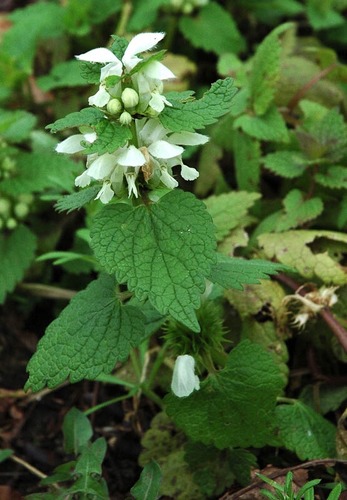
<point>31,468</point>
<point>282,472</point>
<point>301,92</point>
<point>338,330</point>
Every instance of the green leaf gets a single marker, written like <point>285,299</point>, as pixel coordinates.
<point>287,164</point>
<point>36,172</point>
<point>89,487</point>
<point>215,470</point>
<point>87,116</point>
<point>298,211</point>
<point>144,14</point>
<point>147,487</point>
<point>308,252</point>
<point>305,432</point>
<point>65,74</point>
<point>77,431</point>
<point>247,161</point>
<point>77,200</point>
<point>212,29</point>
<point>145,62</point>
<point>228,209</point>
<point>110,137</point>
<point>163,251</point>
<point>119,46</point>
<point>17,251</point>
<point>15,126</point>
<point>236,406</point>
<point>335,493</point>
<point>235,272</point>
<point>90,72</point>
<point>91,458</point>
<point>91,334</point>
<point>323,397</point>
<point>268,127</point>
<point>331,134</point>
<point>266,70</point>
<point>321,15</point>
<point>194,114</point>
<point>334,178</point>
<point>5,454</point>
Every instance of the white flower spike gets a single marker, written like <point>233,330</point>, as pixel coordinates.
<point>184,380</point>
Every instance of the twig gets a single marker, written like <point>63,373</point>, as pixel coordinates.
<point>31,468</point>
<point>282,472</point>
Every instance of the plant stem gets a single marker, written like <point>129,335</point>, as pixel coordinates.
<point>124,18</point>
<point>110,402</point>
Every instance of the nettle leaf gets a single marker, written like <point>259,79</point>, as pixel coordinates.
<point>77,431</point>
<point>195,114</point>
<point>212,29</point>
<point>247,161</point>
<point>323,397</point>
<point>144,14</point>
<point>111,136</point>
<point>287,164</point>
<point>15,126</point>
<point>236,272</point>
<point>142,64</point>
<point>119,46</point>
<point>91,334</point>
<point>331,134</point>
<point>77,200</point>
<point>147,487</point>
<point>268,127</point>
<point>36,172</point>
<point>307,251</point>
<point>90,72</point>
<point>298,211</point>
<point>163,251</point>
<point>91,458</point>
<point>65,74</point>
<point>228,209</point>
<point>240,398</point>
<point>266,70</point>
<point>87,116</point>
<point>334,178</point>
<point>17,251</point>
<point>305,432</point>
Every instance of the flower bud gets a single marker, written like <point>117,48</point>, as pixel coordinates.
<point>11,223</point>
<point>21,210</point>
<point>130,98</point>
<point>125,118</point>
<point>184,380</point>
<point>114,106</point>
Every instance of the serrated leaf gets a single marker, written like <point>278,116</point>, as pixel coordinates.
<point>147,487</point>
<point>324,397</point>
<point>331,134</point>
<point>247,161</point>
<point>212,29</point>
<point>228,209</point>
<point>87,116</point>
<point>91,334</point>
<point>36,172</point>
<point>268,127</point>
<point>163,251</point>
<point>90,72</point>
<point>298,211</point>
<point>77,431</point>
<point>215,470</point>
<point>119,46</point>
<point>142,64</point>
<point>266,70</point>
<point>110,137</point>
<point>17,251</point>
<point>15,126</point>
<point>236,406</point>
<point>305,432</point>
<point>233,272</point>
<point>334,178</point>
<point>287,164</point>
<point>308,252</point>
<point>77,200</point>
<point>91,458</point>
<point>65,74</point>
<point>195,114</point>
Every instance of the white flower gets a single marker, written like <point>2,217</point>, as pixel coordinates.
<point>73,144</point>
<point>184,380</point>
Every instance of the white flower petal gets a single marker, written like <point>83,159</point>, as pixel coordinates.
<point>102,167</point>
<point>131,157</point>
<point>105,194</point>
<point>71,145</point>
<point>188,138</point>
<point>157,102</point>
<point>163,149</point>
<point>90,137</point>
<point>83,180</point>
<point>140,43</point>
<point>99,99</point>
<point>131,178</point>
<point>150,131</point>
<point>184,380</point>
<point>99,55</point>
<point>159,71</point>
<point>167,179</point>
<point>189,173</point>
<point>111,69</point>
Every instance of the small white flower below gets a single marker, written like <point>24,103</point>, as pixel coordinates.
<point>184,380</point>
